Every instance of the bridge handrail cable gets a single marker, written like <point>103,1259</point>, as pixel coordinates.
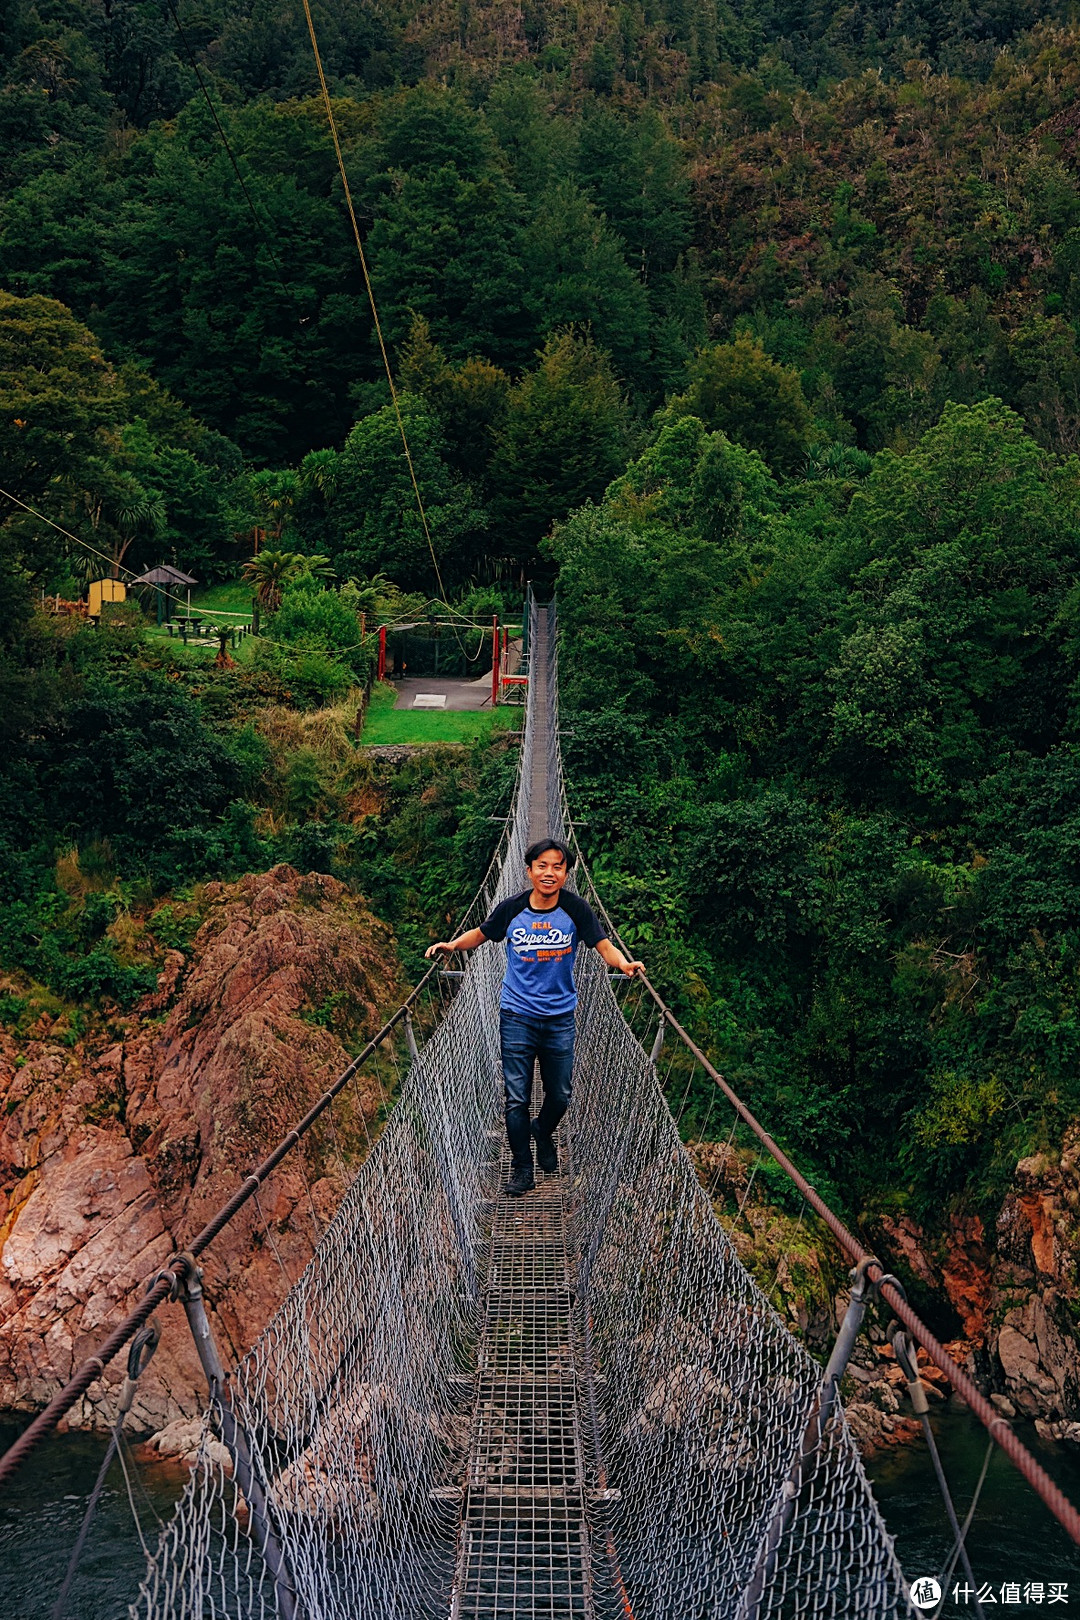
<point>996,1425</point>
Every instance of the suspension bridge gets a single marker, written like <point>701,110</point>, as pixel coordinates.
<point>577,1403</point>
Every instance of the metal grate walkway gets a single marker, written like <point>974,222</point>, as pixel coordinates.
<point>524,1548</point>
<point>524,1545</point>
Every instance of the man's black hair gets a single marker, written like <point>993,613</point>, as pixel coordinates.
<point>541,847</point>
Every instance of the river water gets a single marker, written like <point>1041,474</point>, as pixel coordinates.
<point>1013,1538</point>
<point>40,1515</point>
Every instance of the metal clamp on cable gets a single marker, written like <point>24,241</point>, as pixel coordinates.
<point>902,1343</point>
<point>183,1275</point>
<point>166,1274</point>
<point>904,1351</point>
<point>861,1285</point>
<point>142,1349</point>
<point>903,1347</point>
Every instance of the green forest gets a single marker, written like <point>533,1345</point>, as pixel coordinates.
<point>752,330</point>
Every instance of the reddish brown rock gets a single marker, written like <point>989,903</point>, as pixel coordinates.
<point>966,1274</point>
<point>905,1240</point>
<point>1017,1290</point>
<point>1036,1286</point>
<point>112,1159</point>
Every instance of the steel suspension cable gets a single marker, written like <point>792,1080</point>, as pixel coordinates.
<point>259,224</point>
<point>1037,1477</point>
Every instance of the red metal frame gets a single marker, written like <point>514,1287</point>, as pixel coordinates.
<point>495,660</point>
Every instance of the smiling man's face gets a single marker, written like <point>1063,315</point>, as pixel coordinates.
<point>548,873</point>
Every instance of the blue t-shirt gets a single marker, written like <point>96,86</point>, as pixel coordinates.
<point>540,949</point>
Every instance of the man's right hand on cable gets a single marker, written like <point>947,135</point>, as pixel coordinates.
<point>468,941</point>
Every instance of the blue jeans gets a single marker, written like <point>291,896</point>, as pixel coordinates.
<point>525,1039</point>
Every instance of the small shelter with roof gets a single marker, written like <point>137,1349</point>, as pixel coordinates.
<point>102,591</point>
<point>166,580</point>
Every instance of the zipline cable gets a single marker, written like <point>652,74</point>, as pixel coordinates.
<point>371,296</point>
<point>259,226</point>
<point>77,540</point>
<point>120,567</point>
<point>74,538</point>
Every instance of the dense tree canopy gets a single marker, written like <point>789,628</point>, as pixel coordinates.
<point>839,750</point>
<point>760,324</point>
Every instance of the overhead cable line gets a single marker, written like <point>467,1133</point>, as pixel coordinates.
<point>371,295</point>
<point>74,538</point>
<point>259,226</point>
<point>93,550</point>
<point>359,247</point>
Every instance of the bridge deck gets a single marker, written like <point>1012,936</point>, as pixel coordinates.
<point>524,1548</point>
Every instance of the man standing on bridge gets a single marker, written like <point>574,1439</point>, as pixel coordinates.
<point>542,928</point>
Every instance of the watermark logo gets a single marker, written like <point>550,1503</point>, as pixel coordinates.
<point>925,1592</point>
<point>1016,1594</point>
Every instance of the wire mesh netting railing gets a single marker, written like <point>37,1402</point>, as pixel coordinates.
<point>643,1359</point>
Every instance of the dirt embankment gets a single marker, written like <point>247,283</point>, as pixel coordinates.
<point>115,1151</point>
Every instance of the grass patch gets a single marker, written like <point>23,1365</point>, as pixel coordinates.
<point>203,651</point>
<point>230,596</point>
<point>385,724</point>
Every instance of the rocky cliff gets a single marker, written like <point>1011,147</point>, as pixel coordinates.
<point>1015,1288</point>
<point>115,1150</point>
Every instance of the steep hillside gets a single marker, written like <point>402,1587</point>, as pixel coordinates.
<point>117,1148</point>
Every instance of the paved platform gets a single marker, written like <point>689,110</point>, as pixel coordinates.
<point>458,694</point>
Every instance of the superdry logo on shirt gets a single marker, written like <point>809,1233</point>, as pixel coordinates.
<point>526,938</point>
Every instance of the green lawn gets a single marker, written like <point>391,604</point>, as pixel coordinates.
<point>204,652</point>
<point>231,596</point>
<point>385,724</point>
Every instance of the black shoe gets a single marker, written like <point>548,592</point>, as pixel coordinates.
<point>521,1181</point>
<point>547,1155</point>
